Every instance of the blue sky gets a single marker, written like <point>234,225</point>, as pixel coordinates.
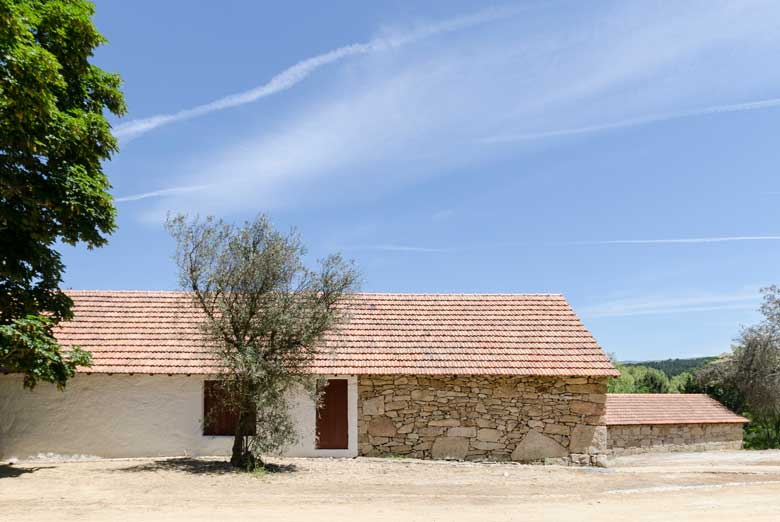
<point>624,155</point>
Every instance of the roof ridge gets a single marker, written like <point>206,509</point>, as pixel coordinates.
<point>488,294</point>
<point>134,291</point>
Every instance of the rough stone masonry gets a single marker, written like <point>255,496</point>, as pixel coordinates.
<point>553,420</point>
<point>641,438</point>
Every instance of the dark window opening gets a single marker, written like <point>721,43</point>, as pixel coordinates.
<point>218,417</point>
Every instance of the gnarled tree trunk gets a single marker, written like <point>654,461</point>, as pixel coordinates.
<point>242,457</point>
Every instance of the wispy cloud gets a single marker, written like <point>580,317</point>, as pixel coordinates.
<point>443,215</point>
<point>402,248</point>
<point>426,249</point>
<point>677,241</point>
<point>301,70</point>
<point>770,103</point>
<point>394,118</point>
<point>162,192</point>
<point>658,305</point>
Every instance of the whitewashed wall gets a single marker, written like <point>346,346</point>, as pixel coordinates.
<point>130,416</point>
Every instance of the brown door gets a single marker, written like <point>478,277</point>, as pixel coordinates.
<point>332,416</point>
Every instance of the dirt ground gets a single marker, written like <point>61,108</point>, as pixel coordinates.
<point>730,486</point>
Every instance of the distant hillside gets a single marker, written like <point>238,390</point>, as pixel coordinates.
<point>672,367</point>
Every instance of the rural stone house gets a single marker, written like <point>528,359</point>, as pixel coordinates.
<point>422,375</point>
<point>670,422</point>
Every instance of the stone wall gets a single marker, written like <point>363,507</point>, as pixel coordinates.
<point>529,419</point>
<point>624,440</point>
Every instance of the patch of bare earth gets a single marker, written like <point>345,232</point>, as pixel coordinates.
<point>705,486</point>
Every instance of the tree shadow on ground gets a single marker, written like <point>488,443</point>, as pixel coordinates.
<point>10,471</point>
<point>201,466</point>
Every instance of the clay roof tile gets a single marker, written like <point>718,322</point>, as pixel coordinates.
<point>488,334</point>
<point>668,408</point>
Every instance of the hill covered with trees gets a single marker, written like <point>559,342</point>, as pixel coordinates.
<point>667,376</point>
<point>674,367</point>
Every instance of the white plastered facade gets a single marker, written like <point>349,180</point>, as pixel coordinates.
<point>133,416</point>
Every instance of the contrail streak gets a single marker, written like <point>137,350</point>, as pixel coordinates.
<point>634,122</point>
<point>162,192</point>
<point>301,70</point>
<point>505,245</point>
<point>401,248</point>
<point>693,240</point>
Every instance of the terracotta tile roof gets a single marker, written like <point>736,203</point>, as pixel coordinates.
<point>519,334</point>
<point>669,408</point>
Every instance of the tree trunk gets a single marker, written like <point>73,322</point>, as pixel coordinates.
<point>237,459</point>
<point>242,457</point>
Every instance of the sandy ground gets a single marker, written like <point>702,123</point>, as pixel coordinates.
<point>730,486</point>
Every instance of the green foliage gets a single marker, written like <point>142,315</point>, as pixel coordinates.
<point>716,380</point>
<point>762,435</point>
<point>258,471</point>
<point>674,367</point>
<point>53,138</point>
<point>625,383</point>
<point>639,379</point>
<point>27,346</point>
<point>652,381</point>
<point>265,313</point>
<point>680,382</point>
<point>667,376</point>
<point>748,379</point>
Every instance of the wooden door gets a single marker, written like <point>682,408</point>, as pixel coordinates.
<point>332,427</point>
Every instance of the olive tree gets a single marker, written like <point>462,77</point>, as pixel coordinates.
<point>264,314</point>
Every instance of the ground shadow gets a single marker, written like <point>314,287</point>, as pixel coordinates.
<point>200,466</point>
<point>279,468</point>
<point>10,471</point>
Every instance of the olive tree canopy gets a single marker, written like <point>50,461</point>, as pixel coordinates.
<point>265,312</point>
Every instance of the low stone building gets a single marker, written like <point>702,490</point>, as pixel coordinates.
<point>638,423</point>
<point>462,376</point>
